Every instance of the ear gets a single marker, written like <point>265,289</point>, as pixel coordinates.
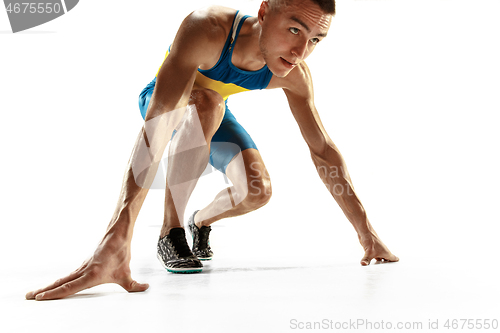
<point>263,10</point>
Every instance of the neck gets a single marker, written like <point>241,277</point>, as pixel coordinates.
<point>246,53</point>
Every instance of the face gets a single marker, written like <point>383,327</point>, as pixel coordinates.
<point>290,33</point>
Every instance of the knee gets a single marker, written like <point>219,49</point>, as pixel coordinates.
<point>209,104</point>
<point>259,192</point>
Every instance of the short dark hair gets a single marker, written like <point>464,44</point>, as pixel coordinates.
<point>328,6</point>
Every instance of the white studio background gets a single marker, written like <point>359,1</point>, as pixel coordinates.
<point>408,91</point>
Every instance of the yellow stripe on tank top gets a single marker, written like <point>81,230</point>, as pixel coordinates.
<point>224,89</point>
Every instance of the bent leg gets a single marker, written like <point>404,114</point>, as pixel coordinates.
<point>251,189</point>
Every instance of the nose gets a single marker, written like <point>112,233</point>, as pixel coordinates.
<point>300,50</point>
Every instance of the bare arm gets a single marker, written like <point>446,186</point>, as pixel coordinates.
<point>330,164</point>
<point>110,262</point>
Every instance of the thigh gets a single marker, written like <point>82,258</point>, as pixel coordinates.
<point>228,141</point>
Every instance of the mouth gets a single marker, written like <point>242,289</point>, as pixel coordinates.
<point>287,64</point>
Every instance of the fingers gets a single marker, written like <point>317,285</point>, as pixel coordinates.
<point>390,258</point>
<point>68,288</point>
<point>366,260</point>
<point>72,276</point>
<point>133,286</point>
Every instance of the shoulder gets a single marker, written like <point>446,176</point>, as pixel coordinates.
<point>203,32</point>
<point>211,23</point>
<point>215,19</point>
<point>297,83</point>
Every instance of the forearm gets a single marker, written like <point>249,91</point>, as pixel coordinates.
<point>333,172</point>
<point>139,175</point>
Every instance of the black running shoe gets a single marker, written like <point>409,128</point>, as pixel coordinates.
<point>201,244</point>
<point>174,253</point>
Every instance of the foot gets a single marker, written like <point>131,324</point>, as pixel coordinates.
<point>174,253</point>
<point>375,249</point>
<point>201,244</point>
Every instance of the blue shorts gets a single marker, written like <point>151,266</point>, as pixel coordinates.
<point>227,142</point>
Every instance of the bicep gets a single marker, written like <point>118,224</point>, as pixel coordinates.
<point>177,74</point>
<point>301,102</point>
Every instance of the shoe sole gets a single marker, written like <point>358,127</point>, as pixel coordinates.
<point>204,259</point>
<point>179,270</point>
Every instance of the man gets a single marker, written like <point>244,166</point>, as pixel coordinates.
<point>218,52</point>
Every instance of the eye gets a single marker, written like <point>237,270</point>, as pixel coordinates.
<point>294,31</point>
<point>315,41</point>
